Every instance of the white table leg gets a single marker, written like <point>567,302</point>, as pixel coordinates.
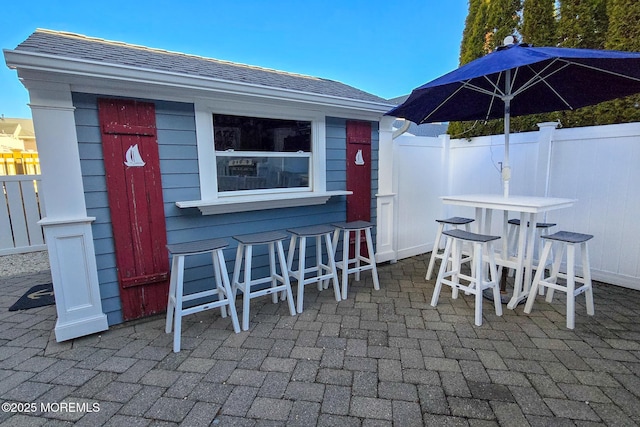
<point>517,284</point>
<point>531,244</point>
<point>487,221</point>
<point>526,246</point>
<point>477,226</point>
<point>505,235</point>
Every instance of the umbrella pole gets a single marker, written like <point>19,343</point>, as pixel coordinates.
<point>506,169</point>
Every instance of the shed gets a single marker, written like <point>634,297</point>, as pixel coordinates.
<point>140,147</point>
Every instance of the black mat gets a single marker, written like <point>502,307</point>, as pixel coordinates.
<point>37,296</point>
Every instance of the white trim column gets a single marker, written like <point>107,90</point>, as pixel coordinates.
<point>447,170</point>
<point>66,226</point>
<point>386,230</point>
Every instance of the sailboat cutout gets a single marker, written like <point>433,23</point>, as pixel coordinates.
<point>359,158</point>
<point>133,157</point>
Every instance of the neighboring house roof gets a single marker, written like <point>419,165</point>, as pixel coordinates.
<point>398,99</point>
<point>23,127</point>
<point>427,129</point>
<point>7,128</point>
<point>16,134</point>
<point>80,47</point>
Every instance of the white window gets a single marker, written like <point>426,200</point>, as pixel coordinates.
<point>260,153</point>
<point>255,156</point>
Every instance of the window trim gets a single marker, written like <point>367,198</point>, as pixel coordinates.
<point>214,202</point>
<point>283,154</point>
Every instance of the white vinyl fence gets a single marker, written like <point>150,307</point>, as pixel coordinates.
<point>598,166</point>
<point>20,211</point>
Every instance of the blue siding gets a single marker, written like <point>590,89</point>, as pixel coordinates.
<point>180,181</point>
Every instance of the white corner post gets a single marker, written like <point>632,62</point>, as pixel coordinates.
<point>447,170</point>
<point>386,230</point>
<point>543,166</point>
<point>67,228</point>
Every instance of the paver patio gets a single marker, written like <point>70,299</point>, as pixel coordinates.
<point>379,358</point>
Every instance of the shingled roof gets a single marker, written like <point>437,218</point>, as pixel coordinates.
<point>76,46</point>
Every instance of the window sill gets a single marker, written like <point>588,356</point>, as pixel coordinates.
<point>262,202</point>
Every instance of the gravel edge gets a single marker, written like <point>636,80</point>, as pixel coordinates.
<point>17,264</point>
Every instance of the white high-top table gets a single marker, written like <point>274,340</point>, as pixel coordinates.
<point>529,209</point>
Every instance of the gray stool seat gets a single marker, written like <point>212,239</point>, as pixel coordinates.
<point>353,225</point>
<point>469,236</point>
<point>260,238</point>
<point>568,241</point>
<point>175,305</point>
<point>279,281</point>
<point>200,246</point>
<point>453,223</point>
<point>569,237</point>
<point>450,272</point>
<point>455,220</point>
<point>360,262</point>
<point>319,273</point>
<point>312,230</point>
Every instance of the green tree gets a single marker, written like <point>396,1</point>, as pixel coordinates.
<point>583,23</point>
<point>486,26</point>
<point>538,28</point>
<point>624,25</point>
<point>503,20</point>
<point>538,22</point>
<point>472,44</point>
<point>623,33</point>
<point>595,24</point>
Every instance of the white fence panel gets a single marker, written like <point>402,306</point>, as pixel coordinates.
<point>598,166</point>
<point>20,211</point>
<point>476,164</point>
<point>421,180</point>
<point>475,168</point>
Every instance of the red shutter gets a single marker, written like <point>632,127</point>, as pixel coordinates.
<point>359,175</point>
<point>136,204</point>
<point>359,170</point>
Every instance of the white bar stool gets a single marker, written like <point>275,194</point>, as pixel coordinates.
<point>542,229</point>
<point>175,305</point>
<point>279,282</point>
<point>454,222</point>
<point>477,284</point>
<point>323,271</point>
<point>357,227</point>
<point>570,241</point>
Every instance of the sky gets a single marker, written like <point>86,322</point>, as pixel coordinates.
<point>386,47</point>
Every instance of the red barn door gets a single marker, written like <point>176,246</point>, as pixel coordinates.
<point>134,187</point>
<point>359,173</point>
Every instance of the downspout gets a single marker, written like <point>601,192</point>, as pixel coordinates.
<point>405,126</point>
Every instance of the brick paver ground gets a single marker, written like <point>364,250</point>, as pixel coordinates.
<point>379,358</point>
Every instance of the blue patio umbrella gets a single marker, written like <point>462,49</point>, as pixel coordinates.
<point>520,79</point>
